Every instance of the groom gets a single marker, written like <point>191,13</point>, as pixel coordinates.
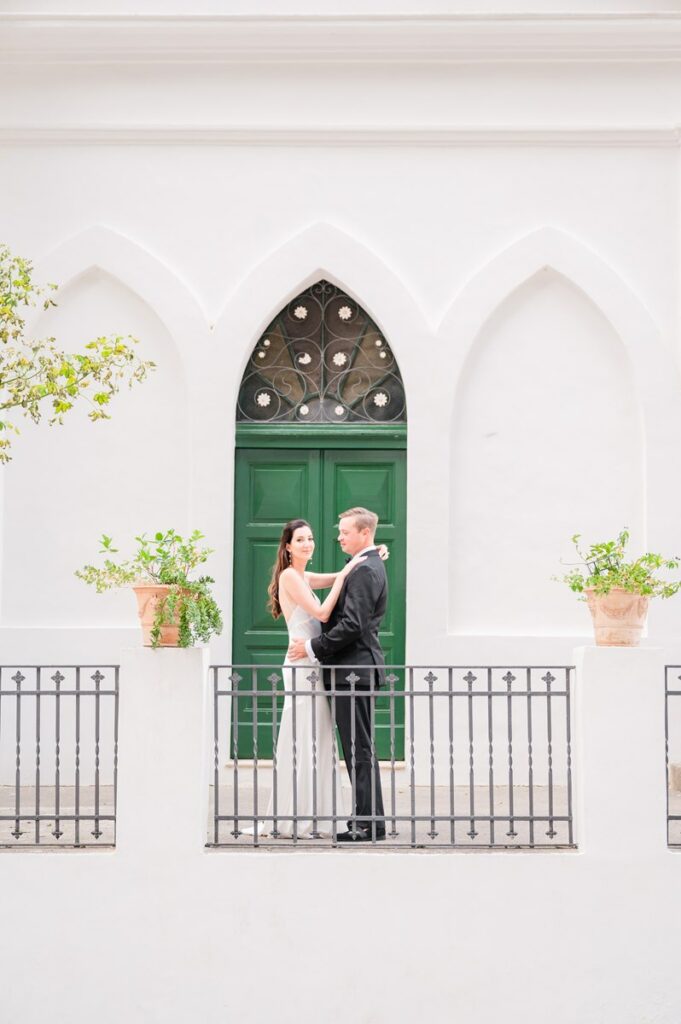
<point>350,638</point>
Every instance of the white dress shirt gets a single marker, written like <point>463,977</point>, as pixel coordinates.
<point>308,644</point>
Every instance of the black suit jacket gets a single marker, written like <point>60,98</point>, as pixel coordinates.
<point>350,637</point>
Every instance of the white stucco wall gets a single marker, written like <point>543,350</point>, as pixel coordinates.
<point>513,227</point>
<point>163,929</point>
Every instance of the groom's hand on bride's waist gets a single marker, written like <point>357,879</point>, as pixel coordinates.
<point>296,650</point>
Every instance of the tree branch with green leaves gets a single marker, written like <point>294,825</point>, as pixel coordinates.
<point>37,378</point>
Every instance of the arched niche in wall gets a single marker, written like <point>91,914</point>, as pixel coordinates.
<point>321,427</point>
<point>67,485</point>
<point>547,442</point>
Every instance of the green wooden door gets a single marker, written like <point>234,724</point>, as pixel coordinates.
<point>375,480</point>
<point>271,487</point>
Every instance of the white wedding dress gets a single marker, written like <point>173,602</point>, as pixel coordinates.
<point>315,751</point>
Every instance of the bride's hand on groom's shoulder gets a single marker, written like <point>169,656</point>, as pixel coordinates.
<point>353,563</point>
<point>383,552</point>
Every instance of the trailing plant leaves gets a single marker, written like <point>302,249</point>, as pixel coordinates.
<point>605,566</point>
<point>169,559</point>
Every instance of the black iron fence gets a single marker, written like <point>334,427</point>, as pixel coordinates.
<point>446,756</point>
<point>58,755</point>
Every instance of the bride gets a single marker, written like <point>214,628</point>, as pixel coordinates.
<point>304,783</point>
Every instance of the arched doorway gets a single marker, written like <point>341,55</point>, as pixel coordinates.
<point>321,427</point>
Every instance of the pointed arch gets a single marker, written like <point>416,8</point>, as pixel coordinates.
<point>654,371</point>
<point>148,277</point>
<point>654,368</point>
<point>320,251</point>
<point>322,359</point>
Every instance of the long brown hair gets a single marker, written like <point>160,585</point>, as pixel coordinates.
<point>283,560</point>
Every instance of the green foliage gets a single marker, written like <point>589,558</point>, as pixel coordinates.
<point>169,559</point>
<point>34,373</point>
<point>604,567</point>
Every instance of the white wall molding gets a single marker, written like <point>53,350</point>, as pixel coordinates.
<point>351,38</point>
<point>170,297</point>
<point>658,136</point>
<point>551,248</point>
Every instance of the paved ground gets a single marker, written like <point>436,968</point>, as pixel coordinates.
<point>404,836</point>
<point>47,807</point>
<point>420,833</point>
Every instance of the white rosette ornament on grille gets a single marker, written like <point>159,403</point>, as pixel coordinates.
<point>322,360</point>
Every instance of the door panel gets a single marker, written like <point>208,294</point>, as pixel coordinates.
<point>277,492</point>
<point>271,487</point>
<point>375,480</point>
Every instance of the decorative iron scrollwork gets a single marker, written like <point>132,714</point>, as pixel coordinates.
<point>322,360</point>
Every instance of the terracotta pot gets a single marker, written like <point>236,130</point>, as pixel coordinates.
<point>619,617</point>
<point>148,596</point>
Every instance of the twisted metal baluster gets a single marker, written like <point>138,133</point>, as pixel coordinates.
<point>430,680</point>
<point>450,701</point>
<point>37,756</point>
<point>274,679</point>
<point>312,679</point>
<point>77,773</point>
<point>234,680</point>
<point>294,754</point>
<point>18,678</point>
<point>490,756</point>
<point>254,733</point>
<point>392,679</point>
<point>548,679</point>
<point>57,679</point>
<point>469,678</point>
<point>568,737</point>
<point>334,761</point>
<point>352,679</point>
<point>372,756</point>
<point>97,678</point>
<point>530,763</point>
<point>509,679</point>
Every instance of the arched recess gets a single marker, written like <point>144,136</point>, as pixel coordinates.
<point>321,427</point>
<point>654,374</point>
<point>143,273</point>
<point>321,251</point>
<point>166,295</point>
<point>123,476</point>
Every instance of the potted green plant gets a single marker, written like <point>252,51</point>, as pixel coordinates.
<point>617,590</point>
<point>174,610</point>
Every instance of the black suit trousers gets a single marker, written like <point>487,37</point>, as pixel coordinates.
<point>359,767</point>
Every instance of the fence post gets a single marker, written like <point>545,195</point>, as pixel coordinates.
<point>620,755</point>
<point>162,752</point>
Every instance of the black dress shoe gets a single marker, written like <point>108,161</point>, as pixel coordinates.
<point>360,835</point>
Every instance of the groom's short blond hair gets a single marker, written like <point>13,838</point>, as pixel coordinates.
<point>364,519</point>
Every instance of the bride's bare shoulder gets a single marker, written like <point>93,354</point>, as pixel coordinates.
<point>287,576</point>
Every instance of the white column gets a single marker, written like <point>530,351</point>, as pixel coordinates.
<point>163,751</point>
<point>619,751</point>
